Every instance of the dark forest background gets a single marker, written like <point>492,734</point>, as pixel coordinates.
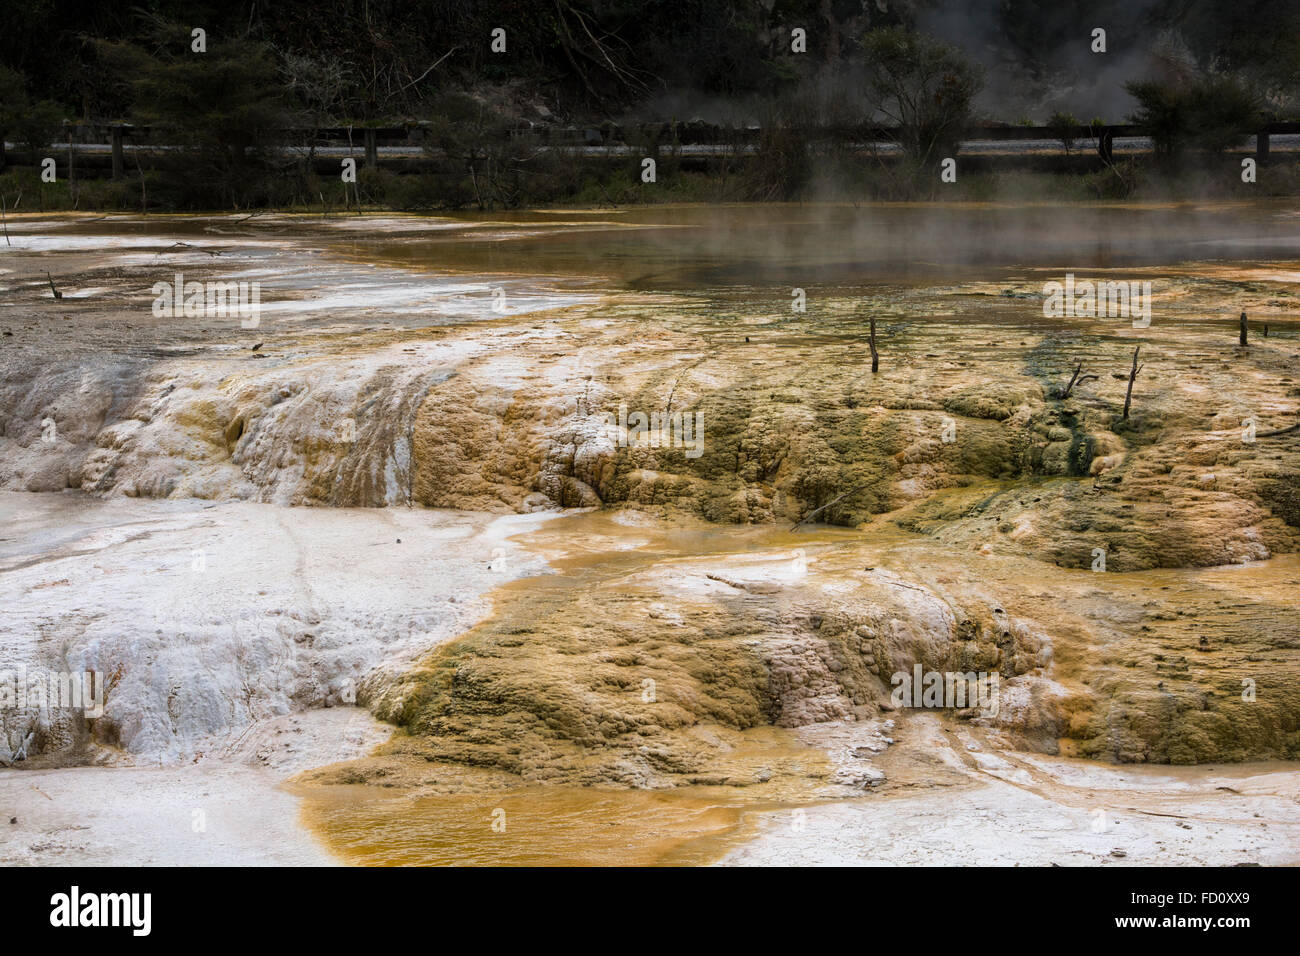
<point>1200,74</point>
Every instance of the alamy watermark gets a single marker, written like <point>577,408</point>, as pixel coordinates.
<point>659,430</point>
<point>1088,299</point>
<point>75,909</point>
<point>208,300</point>
<point>939,689</point>
<point>61,690</point>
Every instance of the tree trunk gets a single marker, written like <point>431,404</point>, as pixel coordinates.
<point>1243,328</point>
<point>875,356</point>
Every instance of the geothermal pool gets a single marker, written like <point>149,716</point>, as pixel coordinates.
<point>373,579</point>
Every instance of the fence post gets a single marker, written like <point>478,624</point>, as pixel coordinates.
<point>372,151</point>
<point>118,164</point>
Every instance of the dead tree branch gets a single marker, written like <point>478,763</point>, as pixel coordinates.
<point>808,517</point>
<point>1133,374</point>
<point>1278,431</point>
<point>1075,379</point>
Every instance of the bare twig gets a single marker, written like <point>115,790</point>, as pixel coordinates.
<point>899,584</point>
<point>808,517</point>
<point>428,71</point>
<point>1128,395</point>
<point>1278,431</point>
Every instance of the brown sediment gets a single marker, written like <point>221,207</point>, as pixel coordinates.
<point>1145,666</point>
<point>547,705</point>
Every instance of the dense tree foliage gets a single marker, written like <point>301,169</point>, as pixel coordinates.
<point>1208,112</point>
<point>390,57</point>
<point>30,121</point>
<point>1203,73</point>
<point>923,87</point>
<point>367,60</point>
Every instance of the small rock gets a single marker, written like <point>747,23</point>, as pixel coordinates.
<point>1118,854</point>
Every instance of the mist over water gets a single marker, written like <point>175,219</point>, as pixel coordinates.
<point>802,244</point>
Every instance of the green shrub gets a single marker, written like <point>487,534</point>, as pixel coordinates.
<point>1212,113</point>
<point>924,86</point>
<point>1062,126</point>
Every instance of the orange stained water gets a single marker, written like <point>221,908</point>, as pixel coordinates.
<point>536,825</point>
<point>530,826</point>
